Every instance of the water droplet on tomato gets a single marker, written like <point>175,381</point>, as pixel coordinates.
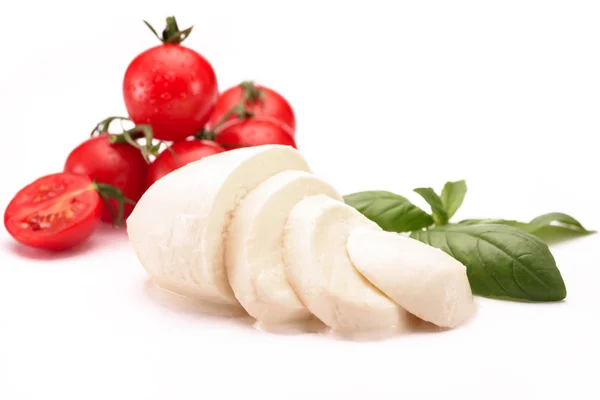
<point>182,95</point>
<point>195,87</point>
<point>165,96</point>
<point>155,109</point>
<point>152,100</point>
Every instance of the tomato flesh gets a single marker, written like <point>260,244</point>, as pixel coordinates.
<point>55,212</point>
<point>272,105</point>
<point>118,165</point>
<point>186,152</point>
<point>172,88</point>
<point>254,132</point>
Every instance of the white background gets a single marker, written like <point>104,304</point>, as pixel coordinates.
<point>388,95</point>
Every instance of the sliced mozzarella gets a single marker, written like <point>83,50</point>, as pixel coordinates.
<point>423,279</point>
<point>253,254</point>
<point>320,272</point>
<point>179,226</point>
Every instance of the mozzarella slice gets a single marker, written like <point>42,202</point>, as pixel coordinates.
<point>423,279</point>
<point>253,255</point>
<point>178,227</point>
<point>320,272</point>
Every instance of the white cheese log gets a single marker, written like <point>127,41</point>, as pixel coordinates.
<point>254,253</point>
<point>322,275</point>
<point>423,279</point>
<point>179,226</point>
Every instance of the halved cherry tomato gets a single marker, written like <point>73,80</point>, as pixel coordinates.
<point>260,101</point>
<point>120,165</point>
<point>185,153</point>
<point>254,132</point>
<point>55,212</point>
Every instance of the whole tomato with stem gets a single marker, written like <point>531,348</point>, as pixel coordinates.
<point>257,100</point>
<point>253,132</point>
<point>178,155</point>
<point>170,87</point>
<point>57,211</point>
<point>120,165</point>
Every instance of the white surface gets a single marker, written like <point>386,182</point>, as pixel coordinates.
<point>503,94</point>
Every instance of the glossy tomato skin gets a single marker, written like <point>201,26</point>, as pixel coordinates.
<point>186,151</point>
<point>118,165</point>
<point>54,212</point>
<point>254,132</point>
<point>172,88</point>
<point>273,105</point>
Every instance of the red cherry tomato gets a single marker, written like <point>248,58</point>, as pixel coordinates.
<point>54,212</point>
<point>170,87</point>
<point>268,104</point>
<point>186,151</point>
<point>118,165</point>
<point>254,132</point>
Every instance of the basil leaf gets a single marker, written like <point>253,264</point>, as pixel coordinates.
<point>509,222</point>
<point>440,216</point>
<point>453,195</point>
<point>551,228</point>
<point>557,219</point>
<point>390,211</point>
<point>502,261</point>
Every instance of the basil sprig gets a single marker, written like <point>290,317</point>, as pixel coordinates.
<point>505,259</point>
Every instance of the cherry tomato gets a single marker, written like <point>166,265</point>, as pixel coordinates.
<point>254,132</point>
<point>170,87</point>
<point>118,165</point>
<point>54,212</point>
<point>186,152</point>
<point>268,104</point>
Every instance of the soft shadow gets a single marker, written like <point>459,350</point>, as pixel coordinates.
<point>183,305</point>
<point>104,235</point>
<point>420,326</point>
<point>309,326</point>
<point>191,307</point>
<point>415,326</point>
<point>558,234</point>
<point>36,254</point>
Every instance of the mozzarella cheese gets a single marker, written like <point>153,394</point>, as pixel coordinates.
<point>423,279</point>
<point>253,254</point>
<point>322,275</point>
<point>179,226</point>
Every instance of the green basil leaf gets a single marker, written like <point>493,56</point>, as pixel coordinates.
<point>390,211</point>
<point>440,216</point>
<point>502,261</point>
<point>509,222</point>
<point>551,228</point>
<point>557,219</point>
<point>453,195</point>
